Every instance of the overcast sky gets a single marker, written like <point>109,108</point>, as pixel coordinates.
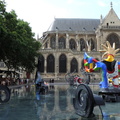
<point>41,13</point>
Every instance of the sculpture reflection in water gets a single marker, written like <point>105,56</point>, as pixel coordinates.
<point>40,85</point>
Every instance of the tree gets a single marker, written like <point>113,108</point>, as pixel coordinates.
<point>17,43</point>
<point>3,31</point>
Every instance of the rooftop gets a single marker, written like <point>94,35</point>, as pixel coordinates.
<point>74,24</point>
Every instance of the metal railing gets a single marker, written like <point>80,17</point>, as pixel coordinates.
<point>111,27</point>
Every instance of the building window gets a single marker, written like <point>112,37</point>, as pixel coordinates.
<point>82,44</point>
<point>53,42</point>
<point>41,63</point>
<point>62,64</point>
<point>72,44</point>
<point>113,38</point>
<point>107,24</point>
<point>61,43</point>
<point>74,65</point>
<point>2,64</point>
<point>46,45</point>
<point>92,45</point>
<point>50,63</point>
<point>82,64</point>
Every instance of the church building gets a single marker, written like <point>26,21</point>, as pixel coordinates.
<point>64,44</point>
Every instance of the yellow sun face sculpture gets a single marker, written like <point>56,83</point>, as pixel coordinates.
<point>109,51</point>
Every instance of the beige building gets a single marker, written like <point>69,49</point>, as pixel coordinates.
<point>64,44</point>
<point>11,73</point>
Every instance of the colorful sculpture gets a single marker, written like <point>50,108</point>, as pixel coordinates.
<point>109,66</point>
<point>84,100</point>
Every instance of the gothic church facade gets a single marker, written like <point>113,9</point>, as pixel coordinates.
<point>64,44</point>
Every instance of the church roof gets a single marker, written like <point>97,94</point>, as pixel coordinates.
<point>111,18</point>
<point>74,24</point>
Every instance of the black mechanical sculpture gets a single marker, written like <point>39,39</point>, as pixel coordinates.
<point>4,94</point>
<point>84,100</point>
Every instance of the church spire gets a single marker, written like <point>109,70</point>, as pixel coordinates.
<point>111,5</point>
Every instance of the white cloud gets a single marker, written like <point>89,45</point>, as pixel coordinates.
<point>107,3</point>
<point>70,1</point>
<point>101,3</point>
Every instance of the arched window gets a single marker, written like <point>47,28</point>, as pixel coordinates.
<point>113,38</point>
<point>53,42</point>
<point>50,63</point>
<point>82,44</point>
<point>74,65</point>
<point>41,63</point>
<point>91,43</point>
<point>61,43</point>
<point>82,64</point>
<point>72,44</point>
<point>62,63</point>
<point>46,45</point>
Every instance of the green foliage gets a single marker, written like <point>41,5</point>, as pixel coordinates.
<point>2,7</point>
<point>17,44</point>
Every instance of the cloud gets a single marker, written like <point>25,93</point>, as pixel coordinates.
<point>101,3</point>
<point>116,3</point>
<point>107,3</point>
<point>70,1</point>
